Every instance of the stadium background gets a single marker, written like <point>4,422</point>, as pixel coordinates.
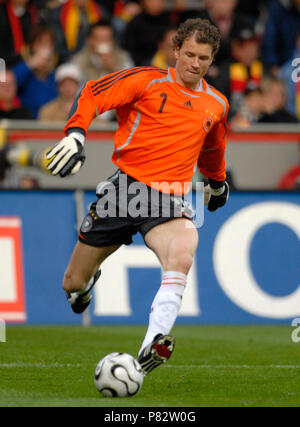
<point>237,335</point>
<point>40,214</point>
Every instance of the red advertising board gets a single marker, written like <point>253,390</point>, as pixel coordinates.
<point>12,290</point>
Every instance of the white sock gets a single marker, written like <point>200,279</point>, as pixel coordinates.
<point>165,306</point>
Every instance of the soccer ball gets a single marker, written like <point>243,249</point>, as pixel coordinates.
<point>118,375</point>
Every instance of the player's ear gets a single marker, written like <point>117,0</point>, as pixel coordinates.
<point>176,51</point>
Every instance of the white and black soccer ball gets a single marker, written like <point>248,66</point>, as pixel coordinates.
<point>118,375</point>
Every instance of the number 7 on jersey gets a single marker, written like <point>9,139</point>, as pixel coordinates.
<point>164,96</point>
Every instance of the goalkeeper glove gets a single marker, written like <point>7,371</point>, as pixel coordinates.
<point>67,156</point>
<point>219,194</point>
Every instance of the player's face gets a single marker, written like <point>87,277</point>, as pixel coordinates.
<point>193,62</point>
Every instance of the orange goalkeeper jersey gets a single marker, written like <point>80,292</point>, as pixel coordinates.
<point>164,128</point>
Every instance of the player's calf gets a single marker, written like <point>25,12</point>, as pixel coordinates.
<point>71,283</point>
<point>80,300</point>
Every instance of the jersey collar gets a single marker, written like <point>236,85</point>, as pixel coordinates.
<point>192,92</point>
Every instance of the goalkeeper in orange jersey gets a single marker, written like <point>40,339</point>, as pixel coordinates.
<point>169,120</point>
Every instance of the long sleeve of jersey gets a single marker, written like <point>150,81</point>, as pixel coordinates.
<point>107,93</point>
<point>211,161</point>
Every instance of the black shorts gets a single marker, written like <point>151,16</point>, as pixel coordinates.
<point>126,206</point>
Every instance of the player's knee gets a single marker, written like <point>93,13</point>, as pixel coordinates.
<point>73,283</point>
<point>181,262</point>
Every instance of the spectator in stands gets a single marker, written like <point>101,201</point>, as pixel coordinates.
<point>109,6</point>
<point>243,71</point>
<point>10,104</point>
<point>144,32</point>
<point>120,7</point>
<point>71,22</point>
<point>183,10</point>
<point>250,110</point>
<point>274,98</point>
<point>16,156</point>
<point>17,18</point>
<point>35,75</point>
<point>290,76</point>
<point>281,30</point>
<point>222,14</point>
<point>253,9</point>
<point>124,11</point>
<point>165,55</point>
<point>69,79</point>
<point>101,55</point>
<point>41,5</point>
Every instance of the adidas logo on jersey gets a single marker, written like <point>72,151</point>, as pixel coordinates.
<point>188,104</point>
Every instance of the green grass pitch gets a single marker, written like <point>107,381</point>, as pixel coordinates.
<point>211,366</point>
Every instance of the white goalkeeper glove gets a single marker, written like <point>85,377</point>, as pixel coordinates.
<point>67,156</point>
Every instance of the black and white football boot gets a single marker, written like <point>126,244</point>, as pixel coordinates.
<point>79,301</point>
<point>156,353</point>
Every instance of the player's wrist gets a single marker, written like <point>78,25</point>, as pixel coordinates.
<point>218,197</point>
<point>78,137</point>
<point>217,191</point>
<point>216,187</point>
<point>215,184</point>
<point>78,134</point>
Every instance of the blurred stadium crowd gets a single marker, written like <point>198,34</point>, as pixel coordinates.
<point>51,47</point>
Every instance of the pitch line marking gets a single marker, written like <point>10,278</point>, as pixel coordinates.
<point>41,365</point>
<point>80,365</point>
<point>233,366</point>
